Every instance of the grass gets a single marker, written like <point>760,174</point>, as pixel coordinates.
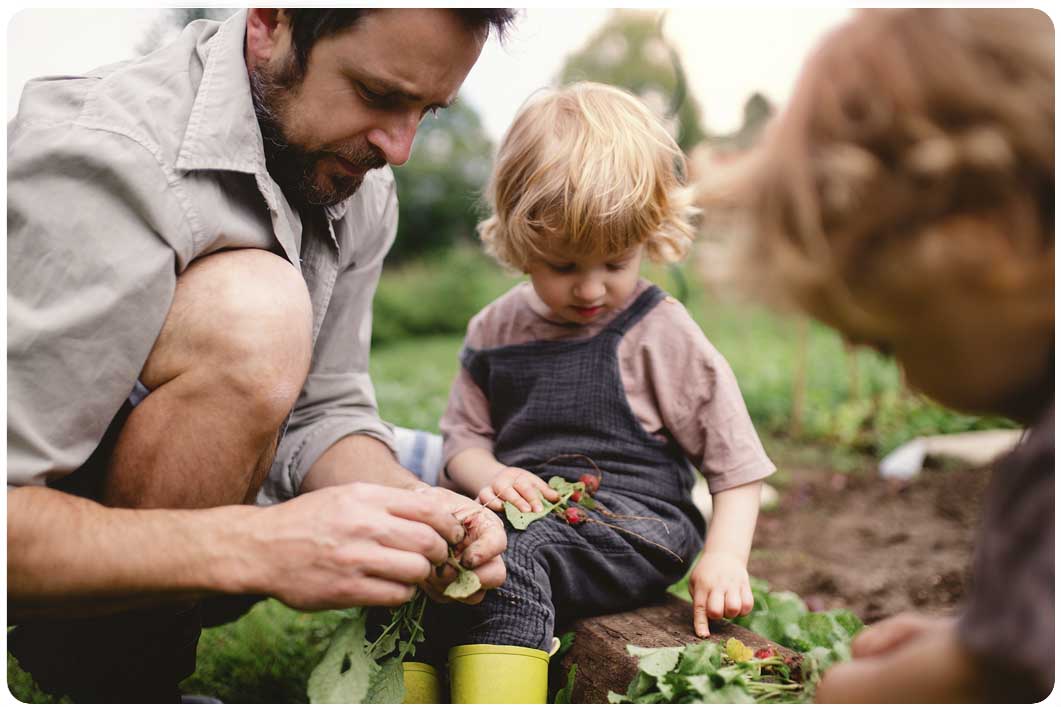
<point>267,655</point>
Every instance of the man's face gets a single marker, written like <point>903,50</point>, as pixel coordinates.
<point>363,94</point>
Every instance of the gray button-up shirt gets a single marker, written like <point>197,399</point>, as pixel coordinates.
<point>117,181</point>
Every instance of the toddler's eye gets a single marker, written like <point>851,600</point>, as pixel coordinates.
<point>561,267</point>
<point>616,267</point>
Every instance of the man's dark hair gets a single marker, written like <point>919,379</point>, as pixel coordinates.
<point>310,25</point>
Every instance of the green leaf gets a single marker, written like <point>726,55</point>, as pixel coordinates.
<point>701,658</point>
<point>680,589</point>
<point>786,606</point>
<point>563,695</point>
<point>466,584</point>
<point>385,646</point>
<point>616,699</point>
<point>642,684</point>
<point>847,620</point>
<point>343,675</point>
<point>730,694</point>
<point>821,629</point>
<point>656,661</point>
<point>587,502</point>
<point>387,686</point>
<point>673,686</point>
<point>521,520</point>
<point>563,486</point>
<point>566,641</point>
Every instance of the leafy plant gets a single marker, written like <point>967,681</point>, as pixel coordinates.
<point>355,670</point>
<point>823,638</point>
<point>708,672</point>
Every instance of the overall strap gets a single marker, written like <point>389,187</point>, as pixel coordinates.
<point>633,314</point>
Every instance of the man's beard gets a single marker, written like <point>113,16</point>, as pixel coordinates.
<point>293,165</point>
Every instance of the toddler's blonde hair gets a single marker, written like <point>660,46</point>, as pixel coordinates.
<point>589,169</point>
<point>917,153</point>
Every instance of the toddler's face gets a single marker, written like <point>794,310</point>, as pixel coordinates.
<point>579,289</point>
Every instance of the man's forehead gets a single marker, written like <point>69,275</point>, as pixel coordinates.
<point>422,54</point>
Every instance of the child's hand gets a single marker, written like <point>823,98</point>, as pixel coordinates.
<point>519,487</point>
<point>720,588</point>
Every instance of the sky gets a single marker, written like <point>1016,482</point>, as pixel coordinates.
<point>727,53</point>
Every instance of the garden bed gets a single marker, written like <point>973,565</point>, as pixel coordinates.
<point>876,547</point>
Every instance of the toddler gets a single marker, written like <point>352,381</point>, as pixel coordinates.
<point>587,366</point>
<point>906,197</point>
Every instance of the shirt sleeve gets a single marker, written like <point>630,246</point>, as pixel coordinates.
<point>92,231</point>
<point>1008,623</point>
<point>698,398</point>
<point>338,398</point>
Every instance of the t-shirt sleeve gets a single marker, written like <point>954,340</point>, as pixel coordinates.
<point>1008,623</point>
<point>699,400</point>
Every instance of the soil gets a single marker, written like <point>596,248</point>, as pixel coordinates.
<point>871,545</point>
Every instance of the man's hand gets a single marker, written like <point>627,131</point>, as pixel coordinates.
<point>519,487</point>
<point>720,588</point>
<point>351,545</point>
<point>908,658</point>
<point>480,549</point>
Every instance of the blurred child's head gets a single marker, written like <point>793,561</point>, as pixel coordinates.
<point>906,197</point>
<point>587,172</point>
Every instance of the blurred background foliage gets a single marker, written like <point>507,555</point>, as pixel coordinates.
<point>800,382</point>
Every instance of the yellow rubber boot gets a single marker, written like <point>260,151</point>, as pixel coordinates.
<point>421,684</point>
<point>486,674</point>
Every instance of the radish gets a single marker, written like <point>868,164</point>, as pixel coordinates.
<point>575,516</point>
<point>592,482</point>
<point>576,495</point>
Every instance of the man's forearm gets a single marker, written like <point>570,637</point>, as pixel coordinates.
<point>69,556</point>
<point>358,458</point>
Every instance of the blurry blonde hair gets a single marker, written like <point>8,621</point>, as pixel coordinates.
<point>917,152</point>
<point>587,168</point>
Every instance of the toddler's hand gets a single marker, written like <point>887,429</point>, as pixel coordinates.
<point>720,588</point>
<point>519,487</point>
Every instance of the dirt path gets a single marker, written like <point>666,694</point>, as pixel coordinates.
<point>875,547</point>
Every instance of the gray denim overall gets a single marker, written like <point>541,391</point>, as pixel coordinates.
<point>550,398</point>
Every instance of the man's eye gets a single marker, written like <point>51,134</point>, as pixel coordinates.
<point>371,96</point>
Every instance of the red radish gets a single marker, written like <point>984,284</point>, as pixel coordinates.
<point>764,653</point>
<point>576,495</point>
<point>574,516</point>
<point>592,482</point>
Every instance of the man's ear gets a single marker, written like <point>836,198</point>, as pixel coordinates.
<point>263,34</point>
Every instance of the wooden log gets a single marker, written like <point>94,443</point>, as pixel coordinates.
<point>600,644</point>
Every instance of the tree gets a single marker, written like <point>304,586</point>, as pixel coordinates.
<point>439,188</point>
<point>630,51</point>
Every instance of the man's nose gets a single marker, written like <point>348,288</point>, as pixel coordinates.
<point>395,139</point>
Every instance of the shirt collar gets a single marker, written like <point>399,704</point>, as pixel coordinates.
<point>222,131</point>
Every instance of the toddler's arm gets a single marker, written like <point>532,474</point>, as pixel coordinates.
<point>477,471</point>
<point>719,582</point>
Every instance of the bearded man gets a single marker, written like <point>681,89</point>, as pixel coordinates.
<point>194,241</point>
